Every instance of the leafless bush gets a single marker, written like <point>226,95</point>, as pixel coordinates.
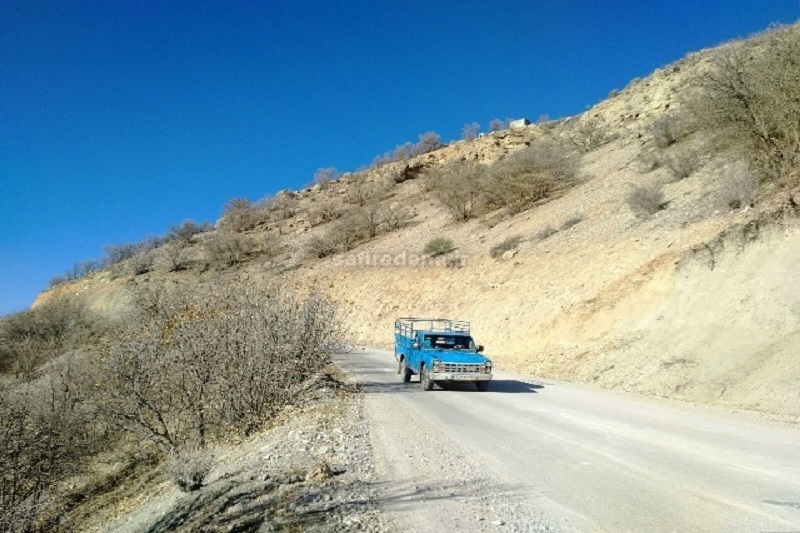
<point>186,230</point>
<point>323,176</point>
<point>30,338</point>
<point>750,102</point>
<point>57,280</point>
<point>189,466</point>
<point>439,246</point>
<point>324,212</point>
<point>506,245</point>
<point>498,125</point>
<point>459,186</point>
<point>739,187</point>
<point>240,214</point>
<point>530,175</point>
<point>645,200</point>
<point>649,160</point>
<point>589,133</point>
<point>357,226</point>
<point>227,249</point>
<point>172,256</point>
<point>117,253</point>
<point>83,268</point>
<point>396,217</point>
<point>282,206</point>
<point>470,131</point>
<point>190,365</point>
<point>141,263</point>
<point>428,142</point>
<point>47,429</point>
<point>321,246</point>
<point>683,161</point>
<point>668,129</point>
<point>361,192</point>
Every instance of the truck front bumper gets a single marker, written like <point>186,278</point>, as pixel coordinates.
<point>452,376</point>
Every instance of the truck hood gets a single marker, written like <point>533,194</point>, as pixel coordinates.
<point>457,356</point>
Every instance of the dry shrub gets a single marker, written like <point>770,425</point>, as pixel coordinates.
<point>226,249</point>
<point>506,245</point>
<point>30,338</point>
<point>358,226</point>
<point>325,212</point>
<point>282,206</point>
<point>739,187</point>
<point>750,101</point>
<point>186,231</point>
<point>194,364</point>
<point>361,192</point>
<point>470,131</point>
<point>240,214</point>
<point>668,129</point>
<point>530,175</point>
<point>459,186</point>
<point>645,200</point>
<point>47,430</point>
<point>189,466</point>
<point>683,161</point>
<point>321,246</point>
<point>439,246</point>
<point>589,133</point>
<point>324,176</point>
<point>173,256</point>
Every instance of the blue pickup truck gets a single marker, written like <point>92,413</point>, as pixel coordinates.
<point>441,351</point>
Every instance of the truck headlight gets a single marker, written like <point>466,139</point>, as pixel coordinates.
<point>436,364</point>
<point>487,367</point>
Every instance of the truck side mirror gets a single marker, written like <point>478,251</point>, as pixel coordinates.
<point>415,345</point>
<point>480,348</point>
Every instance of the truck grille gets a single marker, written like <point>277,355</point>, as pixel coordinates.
<point>462,368</point>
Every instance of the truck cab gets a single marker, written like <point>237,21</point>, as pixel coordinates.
<point>441,351</point>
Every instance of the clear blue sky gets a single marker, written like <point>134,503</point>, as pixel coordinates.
<point>121,118</point>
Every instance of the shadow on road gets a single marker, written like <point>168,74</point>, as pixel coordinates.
<point>501,386</point>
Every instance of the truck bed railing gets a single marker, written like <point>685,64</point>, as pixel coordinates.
<point>407,326</point>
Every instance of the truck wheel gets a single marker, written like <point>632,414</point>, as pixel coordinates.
<point>482,386</point>
<point>405,372</point>
<point>425,379</point>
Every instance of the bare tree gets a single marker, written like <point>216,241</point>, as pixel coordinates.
<point>323,176</point>
<point>428,142</point>
<point>470,131</point>
<point>459,186</point>
<point>498,125</point>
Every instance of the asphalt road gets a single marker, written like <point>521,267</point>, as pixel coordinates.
<point>541,456</point>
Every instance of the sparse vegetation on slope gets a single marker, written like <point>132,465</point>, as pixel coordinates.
<point>184,368</point>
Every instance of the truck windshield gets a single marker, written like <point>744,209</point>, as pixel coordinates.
<point>449,342</point>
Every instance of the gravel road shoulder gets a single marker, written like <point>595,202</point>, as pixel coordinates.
<point>311,471</point>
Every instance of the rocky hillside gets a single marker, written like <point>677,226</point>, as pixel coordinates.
<point>654,251</point>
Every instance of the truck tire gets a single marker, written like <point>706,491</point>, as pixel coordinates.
<point>425,379</point>
<point>482,386</point>
<point>405,372</point>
